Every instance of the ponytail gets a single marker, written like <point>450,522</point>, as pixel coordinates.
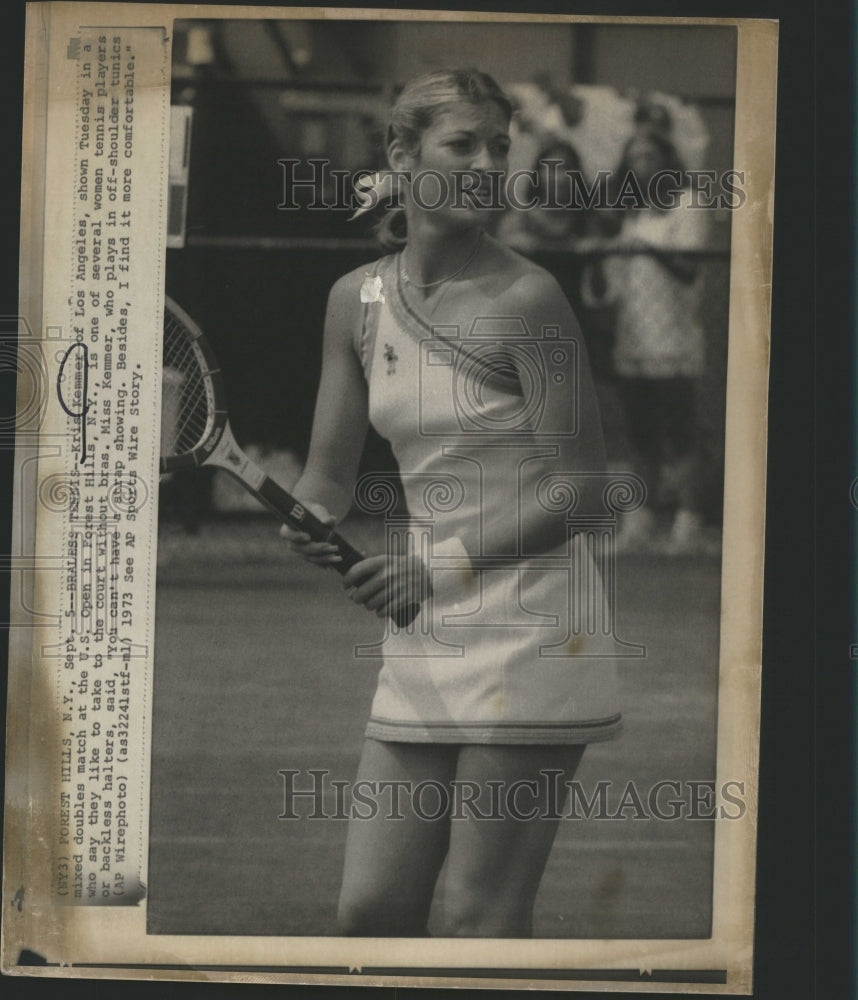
<point>391,230</point>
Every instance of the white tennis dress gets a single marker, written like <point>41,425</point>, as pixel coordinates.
<point>513,654</point>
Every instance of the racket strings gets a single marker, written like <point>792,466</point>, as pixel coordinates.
<point>186,413</point>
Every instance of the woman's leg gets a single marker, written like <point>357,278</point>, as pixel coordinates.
<point>393,857</point>
<point>679,404</point>
<point>637,526</point>
<point>681,446</point>
<point>495,865</point>
<point>640,398</point>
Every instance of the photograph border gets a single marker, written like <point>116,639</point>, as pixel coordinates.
<point>731,317</point>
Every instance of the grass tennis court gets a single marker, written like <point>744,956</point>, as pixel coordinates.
<point>252,676</point>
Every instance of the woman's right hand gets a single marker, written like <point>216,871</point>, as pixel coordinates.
<point>318,553</point>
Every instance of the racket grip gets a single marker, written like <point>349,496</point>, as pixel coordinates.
<point>349,554</point>
<point>405,615</point>
<point>350,557</point>
<point>296,514</point>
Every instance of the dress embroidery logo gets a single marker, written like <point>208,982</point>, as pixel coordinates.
<point>391,358</point>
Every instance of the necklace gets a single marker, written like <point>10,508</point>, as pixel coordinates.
<point>433,284</point>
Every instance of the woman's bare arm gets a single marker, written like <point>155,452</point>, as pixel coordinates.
<point>341,420</point>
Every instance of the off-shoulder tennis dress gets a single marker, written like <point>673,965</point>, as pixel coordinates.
<point>506,654</point>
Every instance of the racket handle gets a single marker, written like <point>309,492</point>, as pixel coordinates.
<point>405,615</point>
<point>401,616</point>
<point>296,514</point>
<point>349,554</point>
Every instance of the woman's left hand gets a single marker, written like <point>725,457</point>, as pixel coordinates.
<point>384,584</point>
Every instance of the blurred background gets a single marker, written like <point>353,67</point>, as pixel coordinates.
<point>252,666</point>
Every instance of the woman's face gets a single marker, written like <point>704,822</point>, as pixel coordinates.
<point>456,152</point>
<point>644,159</point>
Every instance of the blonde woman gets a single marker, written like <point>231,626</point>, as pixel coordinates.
<point>502,723</point>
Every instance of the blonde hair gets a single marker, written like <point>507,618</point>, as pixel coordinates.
<point>420,102</point>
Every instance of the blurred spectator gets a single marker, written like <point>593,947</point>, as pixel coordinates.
<point>658,353</point>
<point>652,113</point>
<point>555,222</point>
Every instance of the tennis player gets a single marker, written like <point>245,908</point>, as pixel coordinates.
<point>468,359</point>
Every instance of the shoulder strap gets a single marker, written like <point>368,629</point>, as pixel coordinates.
<point>373,296</point>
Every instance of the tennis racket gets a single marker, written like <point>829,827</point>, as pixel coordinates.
<point>195,431</point>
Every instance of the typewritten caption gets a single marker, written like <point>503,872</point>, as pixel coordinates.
<point>104,388</point>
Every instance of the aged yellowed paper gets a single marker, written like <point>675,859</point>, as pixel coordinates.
<point>181,701</point>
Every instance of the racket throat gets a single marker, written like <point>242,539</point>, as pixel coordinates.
<point>228,456</point>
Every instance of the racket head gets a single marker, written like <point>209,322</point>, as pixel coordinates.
<point>193,410</point>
